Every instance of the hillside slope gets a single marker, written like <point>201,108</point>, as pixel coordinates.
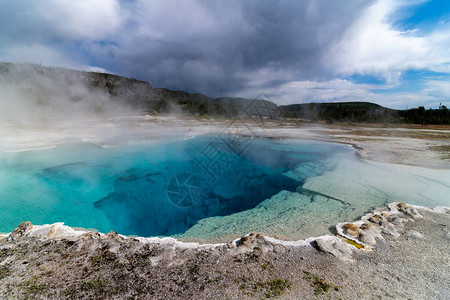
<point>365,112</point>
<point>57,91</point>
<point>47,85</point>
<point>343,111</point>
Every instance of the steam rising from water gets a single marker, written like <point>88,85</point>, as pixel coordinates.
<point>31,96</point>
<point>42,107</point>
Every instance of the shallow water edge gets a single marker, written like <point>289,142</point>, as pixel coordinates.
<point>358,235</point>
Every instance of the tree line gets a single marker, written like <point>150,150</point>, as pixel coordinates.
<point>364,112</point>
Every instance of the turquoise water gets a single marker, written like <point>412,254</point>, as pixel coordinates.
<point>157,189</point>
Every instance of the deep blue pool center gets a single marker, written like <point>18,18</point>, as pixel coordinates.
<point>156,189</point>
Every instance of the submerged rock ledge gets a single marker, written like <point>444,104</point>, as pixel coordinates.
<point>57,261</point>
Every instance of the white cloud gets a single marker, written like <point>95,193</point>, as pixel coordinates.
<point>373,46</point>
<point>35,53</point>
<point>47,56</point>
<point>93,69</point>
<point>438,88</point>
<point>62,20</point>
<point>316,91</point>
<point>339,90</point>
<point>50,31</point>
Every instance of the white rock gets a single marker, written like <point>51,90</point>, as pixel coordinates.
<point>335,247</point>
<point>415,234</point>
<point>367,239</point>
<point>391,232</point>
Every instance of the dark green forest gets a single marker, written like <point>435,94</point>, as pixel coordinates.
<point>365,112</point>
<point>425,116</point>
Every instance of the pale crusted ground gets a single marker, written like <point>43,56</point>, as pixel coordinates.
<point>427,146</point>
<point>414,265</point>
<point>410,266</point>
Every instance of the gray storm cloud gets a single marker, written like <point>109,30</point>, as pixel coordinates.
<point>214,47</point>
<point>233,48</point>
<point>223,47</point>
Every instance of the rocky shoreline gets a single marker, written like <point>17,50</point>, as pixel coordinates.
<point>400,251</point>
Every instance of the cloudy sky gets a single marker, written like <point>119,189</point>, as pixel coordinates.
<point>392,52</point>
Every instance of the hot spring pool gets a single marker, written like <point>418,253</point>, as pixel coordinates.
<point>200,188</point>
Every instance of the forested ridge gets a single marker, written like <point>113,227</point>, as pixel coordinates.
<point>43,83</point>
<point>365,112</point>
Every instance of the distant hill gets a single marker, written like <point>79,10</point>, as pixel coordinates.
<point>341,111</point>
<point>64,90</point>
<point>332,105</point>
<point>41,83</point>
<point>364,112</point>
